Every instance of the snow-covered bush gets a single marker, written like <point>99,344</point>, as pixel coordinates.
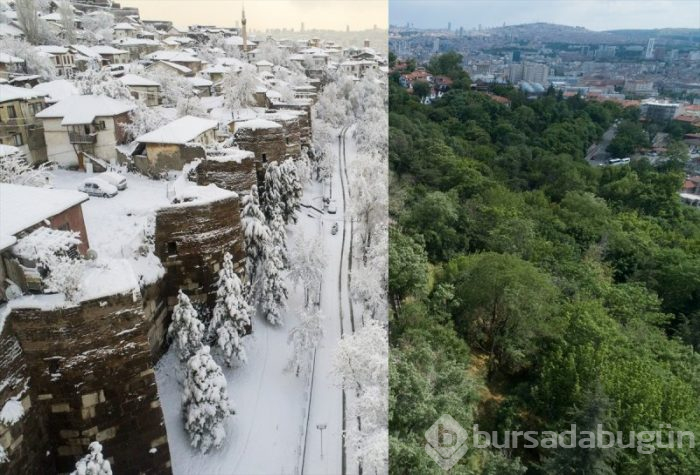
<point>15,169</point>
<point>102,83</point>
<point>191,105</point>
<point>144,119</point>
<point>205,402</point>
<point>51,249</point>
<point>93,463</point>
<point>304,339</point>
<point>231,314</point>
<point>186,329</point>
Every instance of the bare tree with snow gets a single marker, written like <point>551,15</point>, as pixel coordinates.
<point>65,9</point>
<point>306,266</point>
<point>98,26</point>
<point>102,83</point>
<point>191,105</point>
<point>186,329</point>
<point>304,339</point>
<point>144,119</point>
<point>361,365</point>
<point>239,88</point>
<point>205,402</point>
<point>94,463</point>
<point>34,62</point>
<point>231,316</point>
<point>28,19</point>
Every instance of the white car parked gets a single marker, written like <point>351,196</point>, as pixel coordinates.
<point>98,187</point>
<point>114,178</point>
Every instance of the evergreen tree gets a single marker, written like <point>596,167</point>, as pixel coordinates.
<point>291,190</point>
<point>205,402</point>
<point>278,237</point>
<point>273,194</point>
<point>231,314</point>
<point>256,234</point>
<point>273,295</point>
<point>186,328</point>
<point>93,463</point>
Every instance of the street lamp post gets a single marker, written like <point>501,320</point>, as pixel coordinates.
<point>321,427</point>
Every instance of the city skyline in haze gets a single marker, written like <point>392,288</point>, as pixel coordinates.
<point>268,14</point>
<point>598,15</point>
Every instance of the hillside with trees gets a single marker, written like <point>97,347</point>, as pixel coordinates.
<point>530,290</point>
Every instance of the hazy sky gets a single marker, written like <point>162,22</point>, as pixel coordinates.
<point>264,14</point>
<point>592,14</point>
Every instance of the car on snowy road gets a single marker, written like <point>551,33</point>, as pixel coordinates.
<point>98,187</point>
<point>332,207</point>
<point>114,178</point>
<point>334,229</point>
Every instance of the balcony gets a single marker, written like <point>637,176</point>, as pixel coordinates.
<point>77,137</point>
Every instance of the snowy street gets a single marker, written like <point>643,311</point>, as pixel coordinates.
<point>270,433</point>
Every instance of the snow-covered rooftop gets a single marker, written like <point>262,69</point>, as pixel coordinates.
<point>106,49</point>
<point>179,67</point>
<point>124,26</point>
<point>52,49</point>
<point>9,59</point>
<point>134,80</point>
<point>13,93</point>
<point>83,109</point>
<point>200,82</point>
<point>56,90</point>
<point>180,131</point>
<point>173,56</point>
<point>22,207</point>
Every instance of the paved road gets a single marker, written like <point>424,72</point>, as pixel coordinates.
<point>597,154</point>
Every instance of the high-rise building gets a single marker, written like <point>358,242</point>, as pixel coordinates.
<point>650,49</point>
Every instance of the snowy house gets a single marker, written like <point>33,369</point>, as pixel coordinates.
<point>124,30</point>
<point>25,209</point>
<point>181,58</point>
<point>18,109</point>
<point>62,58</point>
<point>166,67</point>
<point>264,66</point>
<point>202,87</point>
<point>142,89</point>
<point>9,65</point>
<point>84,124</point>
<point>175,144</point>
<point>111,55</point>
<point>137,47</point>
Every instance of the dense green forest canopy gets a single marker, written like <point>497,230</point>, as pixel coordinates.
<point>531,290</point>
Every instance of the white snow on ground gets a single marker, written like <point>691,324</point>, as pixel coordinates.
<point>269,431</point>
<point>116,226</point>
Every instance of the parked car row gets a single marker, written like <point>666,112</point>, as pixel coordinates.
<point>103,185</point>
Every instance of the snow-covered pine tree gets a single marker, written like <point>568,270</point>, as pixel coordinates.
<point>278,237</point>
<point>272,194</point>
<point>205,402</point>
<point>231,314</point>
<point>93,463</point>
<point>273,287</point>
<point>186,329</point>
<point>304,338</point>
<point>255,233</point>
<point>291,190</point>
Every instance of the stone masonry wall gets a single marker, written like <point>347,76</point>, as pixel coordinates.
<point>91,369</point>
<point>190,241</point>
<point>229,175</point>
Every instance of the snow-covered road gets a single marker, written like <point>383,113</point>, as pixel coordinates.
<point>271,433</point>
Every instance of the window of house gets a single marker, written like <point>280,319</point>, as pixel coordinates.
<point>264,158</point>
<point>100,125</point>
<point>18,140</point>
<point>172,248</point>
<point>11,112</point>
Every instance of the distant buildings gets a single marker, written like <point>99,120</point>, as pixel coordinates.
<point>536,73</point>
<point>658,111</point>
